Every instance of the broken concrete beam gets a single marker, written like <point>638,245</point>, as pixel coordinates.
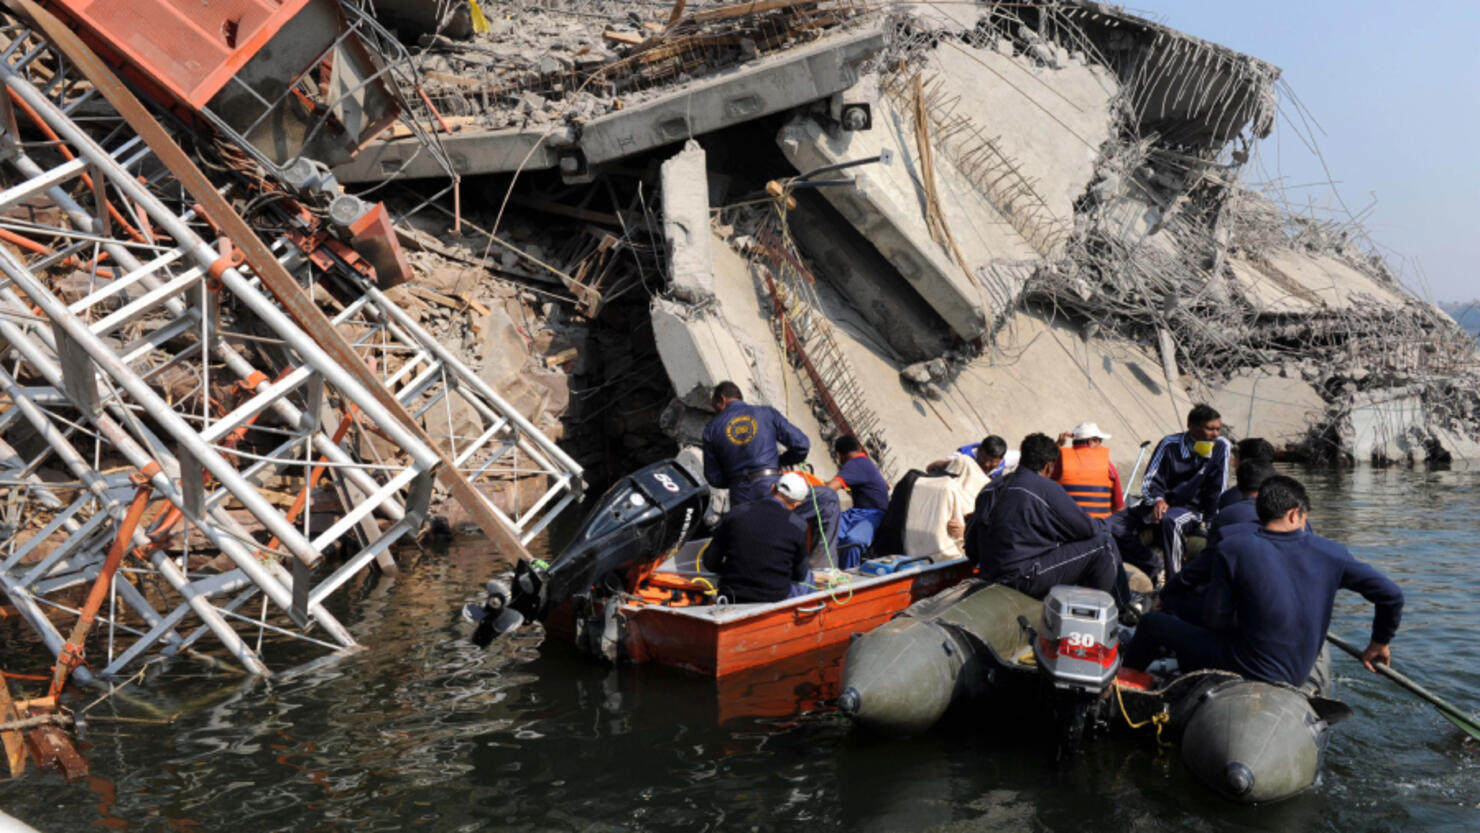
<point>686,225</point>
<point>889,216</point>
<point>697,351</point>
<point>867,281</point>
<point>770,84</point>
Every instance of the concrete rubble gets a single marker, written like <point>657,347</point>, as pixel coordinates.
<point>532,247</point>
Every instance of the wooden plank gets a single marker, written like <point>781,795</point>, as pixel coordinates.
<point>629,38</point>
<point>54,750</point>
<point>14,742</point>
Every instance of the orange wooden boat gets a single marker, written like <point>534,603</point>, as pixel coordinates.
<point>613,594</point>
<point>669,618</point>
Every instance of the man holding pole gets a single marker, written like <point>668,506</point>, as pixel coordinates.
<point>1271,598</point>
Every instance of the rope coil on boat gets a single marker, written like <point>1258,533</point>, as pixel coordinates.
<point>1159,719</point>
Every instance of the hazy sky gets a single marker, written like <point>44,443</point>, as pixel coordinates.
<point>1396,90</point>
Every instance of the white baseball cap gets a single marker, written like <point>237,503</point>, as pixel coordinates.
<point>1089,431</point>
<point>792,486</point>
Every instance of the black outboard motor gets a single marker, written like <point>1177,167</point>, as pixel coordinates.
<point>641,518</point>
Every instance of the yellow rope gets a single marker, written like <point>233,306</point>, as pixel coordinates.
<point>699,558</point>
<point>1159,719</point>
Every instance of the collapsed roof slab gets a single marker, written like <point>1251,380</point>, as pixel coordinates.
<point>767,85</point>
<point>1040,375</point>
<point>1287,281</point>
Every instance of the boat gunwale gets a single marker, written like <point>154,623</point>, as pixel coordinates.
<point>727,614</point>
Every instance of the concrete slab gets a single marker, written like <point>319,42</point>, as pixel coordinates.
<point>1014,145</point>
<point>1261,403</point>
<point>885,206</point>
<point>770,84</point>
<point>911,330</point>
<point>698,350</point>
<point>1049,122</point>
<point>1037,375</point>
<point>1290,281</point>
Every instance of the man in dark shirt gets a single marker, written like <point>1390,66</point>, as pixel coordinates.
<point>1181,487</point>
<point>760,548</point>
<point>1253,449</point>
<point>1185,593</point>
<point>860,476</point>
<point>1027,533</point>
<point>740,446</point>
<point>1270,600</point>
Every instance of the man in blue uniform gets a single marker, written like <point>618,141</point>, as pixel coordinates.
<point>760,548</point>
<point>1184,594</point>
<point>1254,449</point>
<point>1270,600</point>
<point>861,477</point>
<point>740,446</point>
<point>1028,534</point>
<point>1181,487</point>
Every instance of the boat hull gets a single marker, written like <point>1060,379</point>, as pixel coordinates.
<point>1250,742</point>
<point>721,640</point>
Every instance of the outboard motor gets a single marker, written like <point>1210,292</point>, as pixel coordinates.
<point>643,517</point>
<point>1078,654</point>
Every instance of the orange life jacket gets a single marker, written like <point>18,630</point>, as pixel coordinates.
<point>1085,475</point>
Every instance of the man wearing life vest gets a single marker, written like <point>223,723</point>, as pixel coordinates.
<point>1086,473</point>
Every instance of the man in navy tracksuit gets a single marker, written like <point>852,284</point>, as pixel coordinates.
<point>1181,488</point>
<point>1028,534</point>
<point>740,446</point>
<point>1270,599</point>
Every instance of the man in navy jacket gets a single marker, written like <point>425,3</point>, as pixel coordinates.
<point>1181,488</point>
<point>1270,599</point>
<point>1185,593</point>
<point>1027,533</point>
<point>740,446</point>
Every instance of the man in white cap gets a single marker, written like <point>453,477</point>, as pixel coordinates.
<point>1086,473</point>
<point>760,548</point>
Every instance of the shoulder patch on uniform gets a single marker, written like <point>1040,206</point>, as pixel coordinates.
<point>741,430</point>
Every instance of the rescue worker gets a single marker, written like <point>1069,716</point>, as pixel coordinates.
<point>1270,600</point>
<point>1257,449</point>
<point>1181,487</point>
<point>991,458</point>
<point>990,454</point>
<point>1184,594</point>
<point>760,548</point>
<point>1086,473</point>
<point>740,446</point>
<point>1030,535</point>
<point>940,503</point>
<point>861,477</point>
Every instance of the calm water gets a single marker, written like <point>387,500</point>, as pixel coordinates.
<point>425,730</point>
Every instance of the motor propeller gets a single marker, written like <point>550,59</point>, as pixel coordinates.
<point>494,617</point>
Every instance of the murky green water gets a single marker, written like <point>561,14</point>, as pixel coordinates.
<point>423,730</point>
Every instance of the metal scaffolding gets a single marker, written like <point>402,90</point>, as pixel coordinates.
<point>171,438</point>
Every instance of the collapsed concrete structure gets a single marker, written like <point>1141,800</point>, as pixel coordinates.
<point>915,224</point>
